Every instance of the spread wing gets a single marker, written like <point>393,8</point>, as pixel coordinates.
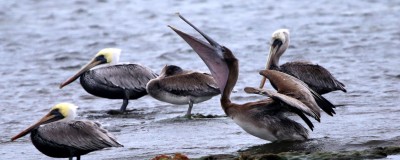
<point>291,102</point>
<point>85,135</point>
<point>315,76</point>
<point>191,84</point>
<point>125,76</point>
<point>265,106</point>
<point>295,88</point>
<point>323,103</point>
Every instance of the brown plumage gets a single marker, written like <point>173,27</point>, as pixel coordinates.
<point>266,118</point>
<point>293,87</point>
<point>178,86</point>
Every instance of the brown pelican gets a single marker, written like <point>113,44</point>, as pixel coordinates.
<point>104,77</point>
<point>315,76</point>
<point>178,86</point>
<point>62,137</point>
<point>265,118</point>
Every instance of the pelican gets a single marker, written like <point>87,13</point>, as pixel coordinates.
<point>266,118</point>
<point>58,135</point>
<point>315,76</point>
<point>104,77</point>
<point>178,86</point>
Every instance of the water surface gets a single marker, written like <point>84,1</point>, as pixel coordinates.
<point>44,42</point>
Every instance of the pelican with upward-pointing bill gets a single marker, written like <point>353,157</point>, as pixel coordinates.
<point>266,118</point>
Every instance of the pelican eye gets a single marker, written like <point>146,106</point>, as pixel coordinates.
<point>101,58</point>
<point>223,49</point>
<point>57,113</point>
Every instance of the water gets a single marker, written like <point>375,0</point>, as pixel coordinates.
<point>44,42</point>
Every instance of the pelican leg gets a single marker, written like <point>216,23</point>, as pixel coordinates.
<point>78,157</point>
<point>123,107</point>
<point>70,158</point>
<point>189,111</point>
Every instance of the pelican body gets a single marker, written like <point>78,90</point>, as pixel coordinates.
<point>58,135</point>
<point>178,86</point>
<point>104,77</point>
<point>265,118</point>
<point>315,76</point>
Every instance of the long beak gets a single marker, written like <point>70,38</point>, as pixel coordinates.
<point>46,119</point>
<point>88,66</point>
<point>209,39</point>
<point>211,54</point>
<point>272,51</point>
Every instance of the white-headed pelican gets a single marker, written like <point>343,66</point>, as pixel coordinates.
<point>315,76</point>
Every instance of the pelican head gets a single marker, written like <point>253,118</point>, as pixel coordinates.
<point>170,70</point>
<point>60,112</point>
<point>65,110</point>
<point>279,44</point>
<point>107,56</point>
<point>217,57</point>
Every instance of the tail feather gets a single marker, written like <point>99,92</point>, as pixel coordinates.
<point>323,103</point>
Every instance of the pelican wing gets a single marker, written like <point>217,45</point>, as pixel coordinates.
<point>304,118</point>
<point>293,87</point>
<point>85,135</point>
<point>191,84</point>
<point>125,76</point>
<point>315,76</point>
<point>323,103</point>
<point>293,103</point>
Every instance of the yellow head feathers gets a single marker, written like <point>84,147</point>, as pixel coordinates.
<point>110,54</point>
<point>68,110</point>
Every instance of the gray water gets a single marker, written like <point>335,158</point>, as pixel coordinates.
<point>44,42</point>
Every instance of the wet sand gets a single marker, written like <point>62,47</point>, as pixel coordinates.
<point>44,42</point>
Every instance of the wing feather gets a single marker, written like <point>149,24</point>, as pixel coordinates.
<point>125,76</point>
<point>191,84</point>
<point>298,89</point>
<point>291,102</point>
<point>317,77</point>
<point>85,135</point>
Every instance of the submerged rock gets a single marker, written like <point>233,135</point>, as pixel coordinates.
<point>317,149</point>
<point>177,156</point>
